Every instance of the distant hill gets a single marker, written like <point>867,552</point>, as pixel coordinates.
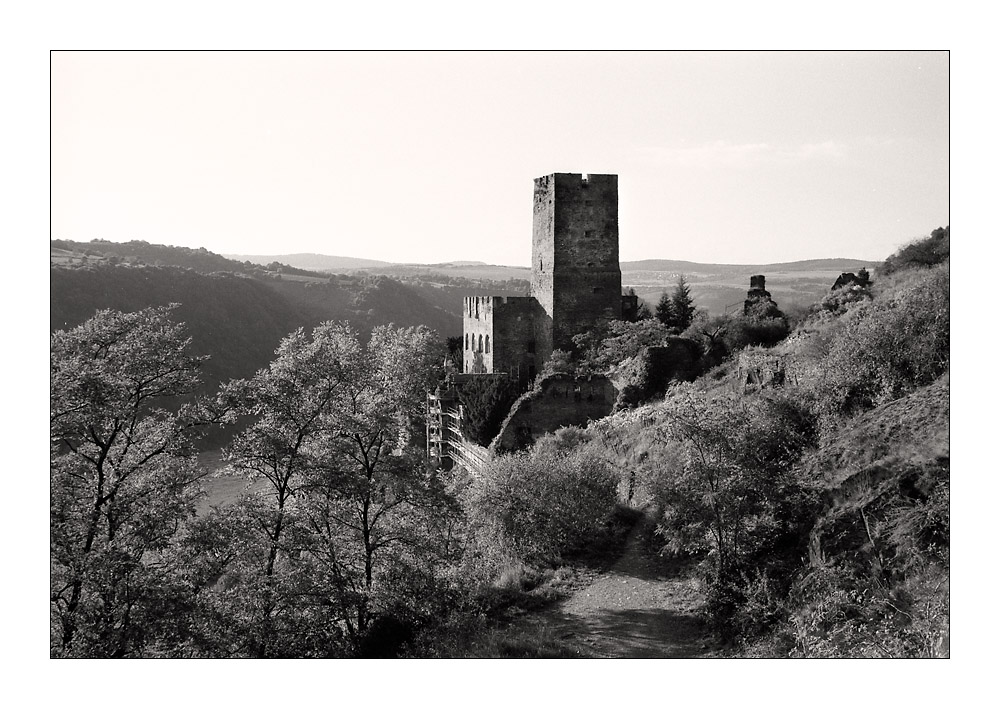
<point>824,264</point>
<point>312,262</point>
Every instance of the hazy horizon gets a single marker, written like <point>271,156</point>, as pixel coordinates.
<point>722,157</point>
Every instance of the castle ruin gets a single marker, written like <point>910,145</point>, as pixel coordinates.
<point>576,281</point>
<point>576,286</point>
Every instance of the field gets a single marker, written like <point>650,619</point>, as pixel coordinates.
<point>221,488</point>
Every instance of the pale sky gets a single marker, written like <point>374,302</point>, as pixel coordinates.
<point>722,157</point>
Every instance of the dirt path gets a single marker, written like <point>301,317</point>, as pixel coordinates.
<point>636,609</point>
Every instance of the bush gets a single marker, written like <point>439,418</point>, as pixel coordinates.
<point>840,300</point>
<point>537,506</point>
<point>930,251</point>
<point>753,329</point>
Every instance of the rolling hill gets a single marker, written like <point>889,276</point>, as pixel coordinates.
<point>714,287</point>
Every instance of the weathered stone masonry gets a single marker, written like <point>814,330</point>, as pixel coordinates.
<point>576,286</point>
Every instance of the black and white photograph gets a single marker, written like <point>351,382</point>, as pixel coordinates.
<point>547,354</point>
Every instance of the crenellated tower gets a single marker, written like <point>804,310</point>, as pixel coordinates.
<point>575,274</point>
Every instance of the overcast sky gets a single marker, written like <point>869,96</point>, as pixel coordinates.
<point>722,157</point>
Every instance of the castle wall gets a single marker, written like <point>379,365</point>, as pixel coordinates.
<point>498,335</point>
<point>478,338</point>
<point>559,400</point>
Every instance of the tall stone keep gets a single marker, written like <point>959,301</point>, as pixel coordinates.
<point>575,274</point>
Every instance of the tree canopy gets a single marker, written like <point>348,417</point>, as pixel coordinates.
<point>345,492</point>
<point>122,476</point>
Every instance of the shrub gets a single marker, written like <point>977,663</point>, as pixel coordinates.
<point>840,300</point>
<point>536,506</point>
<point>755,329</point>
<point>924,253</point>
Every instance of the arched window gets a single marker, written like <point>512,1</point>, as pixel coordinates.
<point>480,343</point>
<point>487,344</point>
<point>466,340</point>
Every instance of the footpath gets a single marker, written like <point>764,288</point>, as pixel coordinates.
<point>637,609</point>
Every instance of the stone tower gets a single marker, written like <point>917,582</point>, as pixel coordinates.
<point>575,274</point>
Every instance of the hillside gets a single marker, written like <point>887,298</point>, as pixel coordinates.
<point>237,320</point>
<point>238,312</point>
<point>803,489</point>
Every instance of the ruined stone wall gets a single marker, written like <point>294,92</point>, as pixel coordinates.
<point>516,348</point>
<point>543,261</point>
<point>558,400</point>
<point>478,339</point>
<point>576,276</point>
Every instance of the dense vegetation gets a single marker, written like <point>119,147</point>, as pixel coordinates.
<point>816,506</point>
<point>814,503</point>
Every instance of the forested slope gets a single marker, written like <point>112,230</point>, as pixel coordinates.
<point>237,320</point>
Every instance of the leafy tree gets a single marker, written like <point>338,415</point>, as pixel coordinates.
<point>709,332</point>
<point>123,477</point>
<point>346,491</point>
<point>624,340</point>
<point>733,492</point>
<point>455,353</point>
<point>559,362</point>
